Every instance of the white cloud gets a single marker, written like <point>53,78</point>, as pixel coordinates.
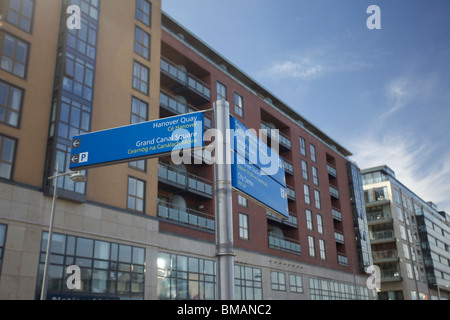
<point>303,68</point>
<point>414,162</point>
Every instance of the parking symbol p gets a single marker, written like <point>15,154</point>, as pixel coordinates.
<point>83,157</point>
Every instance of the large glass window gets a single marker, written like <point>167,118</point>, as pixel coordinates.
<point>278,281</point>
<point>14,54</point>
<point>243,226</point>
<point>141,78</point>
<point>295,283</point>
<point>2,242</point>
<point>221,91</point>
<point>74,118</point>
<point>238,105</point>
<point>108,270</point>
<point>144,12</point>
<point>20,13</point>
<point>247,283</point>
<point>136,194</point>
<point>7,152</point>
<point>83,40</point>
<point>142,43</point>
<point>185,278</point>
<point>10,104</point>
<point>78,77</point>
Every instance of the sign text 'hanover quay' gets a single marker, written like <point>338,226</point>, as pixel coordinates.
<point>133,142</point>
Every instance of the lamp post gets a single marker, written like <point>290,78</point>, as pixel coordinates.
<point>76,177</point>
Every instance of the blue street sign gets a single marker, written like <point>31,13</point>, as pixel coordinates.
<point>248,178</point>
<point>137,141</point>
<point>256,152</point>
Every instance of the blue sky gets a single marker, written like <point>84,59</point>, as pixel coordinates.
<point>383,94</point>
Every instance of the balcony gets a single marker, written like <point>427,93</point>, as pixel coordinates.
<point>334,192</point>
<point>382,236</point>
<point>171,106</point>
<point>342,259</point>
<point>186,216</point>
<point>284,244</point>
<point>378,217</point>
<point>176,79</point>
<point>175,179</point>
<point>288,167</point>
<point>284,140</point>
<point>290,193</point>
<point>339,237</point>
<point>331,170</point>
<point>390,275</point>
<point>385,256</point>
<point>337,215</point>
<point>291,221</point>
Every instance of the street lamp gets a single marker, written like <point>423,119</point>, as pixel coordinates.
<point>76,177</point>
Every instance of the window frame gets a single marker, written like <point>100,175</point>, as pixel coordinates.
<point>135,196</point>
<point>239,106</point>
<point>244,229</point>
<point>3,34</point>
<point>140,10</point>
<point>141,44</point>
<point>8,108</point>
<point>14,154</point>
<point>141,66</point>
<point>7,8</point>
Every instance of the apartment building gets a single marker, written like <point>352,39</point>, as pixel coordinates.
<point>146,229</point>
<point>409,239</point>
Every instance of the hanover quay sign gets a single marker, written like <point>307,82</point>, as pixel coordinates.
<point>137,141</point>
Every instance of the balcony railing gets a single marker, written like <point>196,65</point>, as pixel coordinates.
<point>290,193</point>
<point>390,275</point>
<point>384,255</point>
<point>186,216</point>
<point>284,140</point>
<point>185,181</point>
<point>331,170</point>
<point>334,192</point>
<point>288,167</point>
<point>284,244</point>
<point>342,259</point>
<point>291,221</point>
<point>337,215</point>
<point>181,79</point>
<point>378,216</point>
<point>169,103</point>
<point>386,235</point>
<point>339,237</point>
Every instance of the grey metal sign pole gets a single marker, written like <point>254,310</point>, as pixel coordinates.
<point>223,202</point>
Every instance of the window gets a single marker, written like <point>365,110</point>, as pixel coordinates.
<point>406,251</point>
<point>7,152</point>
<point>78,77</point>
<point>317,199</point>
<point>74,118</point>
<point>108,270</point>
<point>243,226</point>
<point>182,277</point>
<point>315,175</point>
<point>142,43</point>
<point>397,196</point>
<point>2,242</point>
<point>140,78</point>
<point>320,223</point>
<point>83,40</point>
<point>409,271</point>
<point>302,146</point>
<point>323,254</point>
<point>278,280</point>
<point>312,150</point>
<point>14,54</point>
<point>136,194</point>
<point>139,113</point>
<point>20,14</point>
<point>221,91</point>
<point>295,283</point>
<point>90,8</point>
<point>307,195</point>
<point>238,105</point>
<point>309,221</point>
<point>312,249</point>
<point>11,99</point>
<point>144,12</point>
<point>304,170</point>
<point>247,283</point>
<point>242,201</point>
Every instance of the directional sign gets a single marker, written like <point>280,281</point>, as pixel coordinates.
<point>248,178</point>
<point>137,141</point>
<point>256,152</point>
